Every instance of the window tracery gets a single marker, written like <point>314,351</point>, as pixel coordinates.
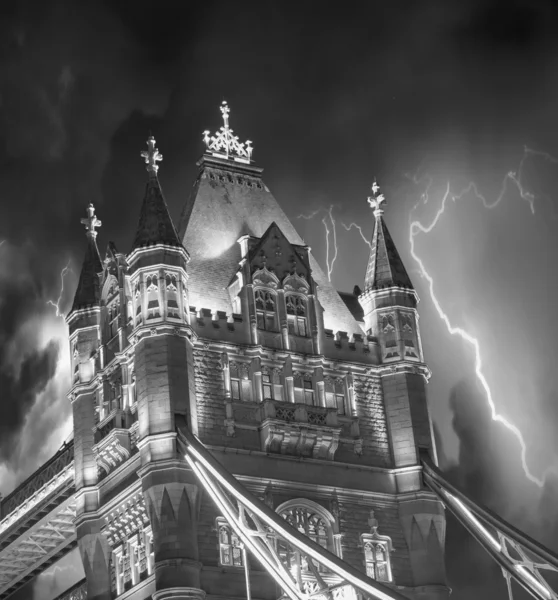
<point>376,550</point>
<point>266,310</point>
<point>230,546</point>
<point>152,292</point>
<point>335,394</point>
<point>271,384</point>
<point>171,282</point>
<point>241,384</point>
<point>137,302</point>
<point>303,388</point>
<point>389,334</point>
<point>296,315</point>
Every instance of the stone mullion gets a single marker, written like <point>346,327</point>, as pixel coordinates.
<point>319,386</point>
<point>282,316</point>
<point>312,323</point>
<point>256,377</point>
<point>251,304</point>
<point>289,380</point>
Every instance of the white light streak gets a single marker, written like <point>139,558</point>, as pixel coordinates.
<point>333,232</point>
<point>56,304</point>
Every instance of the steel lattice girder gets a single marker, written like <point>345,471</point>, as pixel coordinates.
<point>497,537</point>
<point>240,508</point>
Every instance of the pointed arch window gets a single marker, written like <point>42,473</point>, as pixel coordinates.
<point>376,550</point>
<point>152,291</point>
<point>230,546</point>
<point>296,315</point>
<point>241,385</point>
<point>171,282</point>
<point>271,384</point>
<point>137,302</point>
<point>303,388</point>
<point>389,335</point>
<point>266,310</point>
<point>407,328</point>
<point>335,394</point>
<point>75,357</point>
<point>311,520</point>
<point>113,313</point>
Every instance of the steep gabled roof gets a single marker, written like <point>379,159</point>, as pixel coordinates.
<point>230,200</point>
<point>88,290</point>
<point>385,267</point>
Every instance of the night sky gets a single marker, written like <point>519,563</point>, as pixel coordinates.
<point>416,94</point>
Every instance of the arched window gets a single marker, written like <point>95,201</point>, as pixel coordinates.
<point>241,385</point>
<point>137,302</point>
<point>303,388</point>
<point>296,315</point>
<point>230,547</point>
<point>376,549</point>
<point>266,313</point>
<point>113,312</point>
<point>271,383</point>
<point>152,291</point>
<point>389,335</point>
<point>171,281</point>
<point>335,394</point>
<point>311,520</point>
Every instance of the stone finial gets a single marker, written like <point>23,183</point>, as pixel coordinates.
<point>91,222</point>
<point>226,145</point>
<point>373,522</point>
<point>376,200</point>
<point>152,156</point>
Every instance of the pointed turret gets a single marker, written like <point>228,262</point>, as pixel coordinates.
<point>155,224</point>
<point>385,267</point>
<point>87,292</point>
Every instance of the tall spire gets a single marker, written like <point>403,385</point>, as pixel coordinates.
<point>226,145</point>
<point>385,267</point>
<point>88,292</point>
<point>155,224</point>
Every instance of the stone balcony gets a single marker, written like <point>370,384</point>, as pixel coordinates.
<point>298,429</point>
<point>113,444</point>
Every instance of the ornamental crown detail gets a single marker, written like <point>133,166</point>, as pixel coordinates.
<point>226,145</point>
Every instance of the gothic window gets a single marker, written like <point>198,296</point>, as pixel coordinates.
<point>135,560</point>
<point>335,394</point>
<point>75,356</point>
<point>407,329</point>
<point>303,388</point>
<point>241,385</point>
<point>376,559</point>
<point>137,302</point>
<point>376,549</point>
<point>296,315</point>
<point>230,547</point>
<point>271,383</point>
<point>149,550</point>
<point>266,310</point>
<point>152,290</point>
<point>389,334</point>
<point>118,561</point>
<point>113,312</point>
<point>171,281</point>
<point>311,520</point>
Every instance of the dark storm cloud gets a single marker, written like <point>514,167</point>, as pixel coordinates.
<point>25,368</point>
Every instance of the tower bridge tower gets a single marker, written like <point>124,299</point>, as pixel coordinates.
<point>314,402</point>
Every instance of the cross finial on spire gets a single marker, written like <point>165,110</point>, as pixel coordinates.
<point>91,222</point>
<point>152,157</point>
<point>226,145</point>
<point>376,200</point>
<point>225,110</point>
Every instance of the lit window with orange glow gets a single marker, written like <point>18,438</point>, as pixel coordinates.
<point>241,385</point>
<point>335,394</point>
<point>303,388</point>
<point>266,310</point>
<point>296,315</point>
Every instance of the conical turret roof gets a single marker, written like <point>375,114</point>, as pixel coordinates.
<point>385,267</point>
<point>155,224</point>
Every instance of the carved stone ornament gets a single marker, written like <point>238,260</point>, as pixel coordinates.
<point>226,145</point>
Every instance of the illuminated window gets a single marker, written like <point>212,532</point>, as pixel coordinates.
<point>137,302</point>
<point>241,385</point>
<point>407,329</point>
<point>230,546</point>
<point>135,560</point>
<point>296,315</point>
<point>376,549</point>
<point>75,356</point>
<point>152,290</point>
<point>149,550</point>
<point>311,520</point>
<point>113,312</point>
<point>118,562</point>
<point>335,394</point>
<point>171,281</point>
<point>303,388</point>
<point>271,383</point>
<point>266,310</point>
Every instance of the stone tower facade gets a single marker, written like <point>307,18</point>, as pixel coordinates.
<point>314,400</point>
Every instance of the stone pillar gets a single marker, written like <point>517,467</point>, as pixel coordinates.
<point>96,557</point>
<point>172,497</point>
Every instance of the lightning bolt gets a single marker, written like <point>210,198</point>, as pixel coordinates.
<point>56,304</point>
<point>329,232</point>
<point>359,228</point>
<point>417,227</point>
